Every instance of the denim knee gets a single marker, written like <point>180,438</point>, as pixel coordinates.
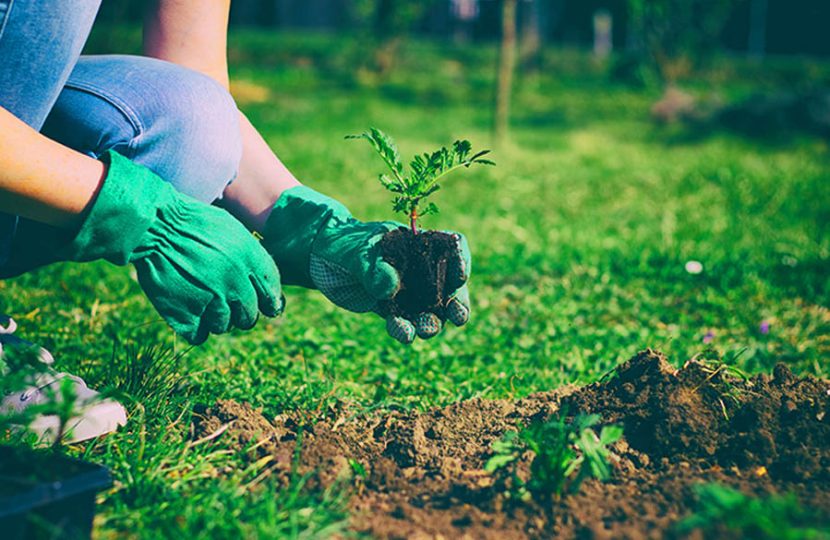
<point>179,123</point>
<point>40,43</point>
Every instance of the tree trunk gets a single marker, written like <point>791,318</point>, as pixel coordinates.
<point>603,38</point>
<point>757,28</point>
<point>507,61</point>
<point>530,45</point>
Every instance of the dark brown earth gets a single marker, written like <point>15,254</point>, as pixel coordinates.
<point>423,262</point>
<point>424,470</point>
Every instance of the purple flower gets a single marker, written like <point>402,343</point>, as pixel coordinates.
<point>764,327</point>
<point>708,337</point>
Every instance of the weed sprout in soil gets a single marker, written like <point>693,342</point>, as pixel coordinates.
<point>424,259</point>
<point>564,454</point>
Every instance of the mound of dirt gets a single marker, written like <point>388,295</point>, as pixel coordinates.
<point>421,473</point>
<point>703,413</point>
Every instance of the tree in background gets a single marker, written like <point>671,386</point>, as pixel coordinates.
<point>385,25</point>
<point>677,36</point>
<point>756,44</point>
<point>532,33</point>
<point>506,67</point>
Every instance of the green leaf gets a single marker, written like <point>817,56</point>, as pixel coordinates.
<point>425,170</point>
<point>610,435</point>
<point>505,451</point>
<point>498,461</point>
<point>430,209</point>
<point>385,146</point>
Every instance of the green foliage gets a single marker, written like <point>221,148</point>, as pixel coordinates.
<point>564,455</point>
<point>678,35</point>
<point>723,373</point>
<point>357,468</point>
<point>721,510</point>
<point>386,19</point>
<point>425,171</point>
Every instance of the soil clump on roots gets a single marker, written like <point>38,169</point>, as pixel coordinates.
<point>423,260</point>
<point>420,474</point>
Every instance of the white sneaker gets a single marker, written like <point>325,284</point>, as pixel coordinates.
<point>94,416</point>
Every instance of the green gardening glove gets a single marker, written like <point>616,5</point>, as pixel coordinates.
<point>201,268</point>
<point>318,244</point>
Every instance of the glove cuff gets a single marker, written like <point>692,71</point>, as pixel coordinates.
<point>295,221</point>
<point>121,214</point>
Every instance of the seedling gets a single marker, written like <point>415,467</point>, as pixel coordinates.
<point>425,171</point>
<point>724,372</point>
<point>564,454</point>
<point>429,264</point>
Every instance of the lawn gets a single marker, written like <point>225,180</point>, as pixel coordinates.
<point>580,237</point>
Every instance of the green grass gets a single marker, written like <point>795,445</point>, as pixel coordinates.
<point>724,512</point>
<point>579,235</point>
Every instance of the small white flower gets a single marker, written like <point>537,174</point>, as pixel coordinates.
<point>694,267</point>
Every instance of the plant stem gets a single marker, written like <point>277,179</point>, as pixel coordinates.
<point>413,220</point>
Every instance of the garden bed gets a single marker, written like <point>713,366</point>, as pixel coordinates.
<point>421,474</point>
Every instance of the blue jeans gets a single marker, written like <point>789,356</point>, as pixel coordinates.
<point>179,123</point>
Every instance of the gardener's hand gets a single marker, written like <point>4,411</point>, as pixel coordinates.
<point>202,270</point>
<point>318,244</point>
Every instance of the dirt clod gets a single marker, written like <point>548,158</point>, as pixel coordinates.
<point>423,261</point>
<point>424,474</point>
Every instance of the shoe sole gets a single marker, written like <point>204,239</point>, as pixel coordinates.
<point>98,419</point>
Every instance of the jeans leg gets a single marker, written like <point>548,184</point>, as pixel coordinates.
<point>40,42</point>
<point>181,124</point>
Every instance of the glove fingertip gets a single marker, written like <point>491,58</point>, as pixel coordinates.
<point>270,299</point>
<point>248,323</point>
<point>400,329</point>
<point>243,316</point>
<point>457,313</point>
<point>427,325</point>
<point>193,336</point>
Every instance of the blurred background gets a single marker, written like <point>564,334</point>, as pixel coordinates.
<point>754,27</point>
<point>775,46</point>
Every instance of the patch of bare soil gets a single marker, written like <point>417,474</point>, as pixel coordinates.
<point>424,474</point>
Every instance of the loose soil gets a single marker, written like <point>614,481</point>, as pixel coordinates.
<point>423,262</point>
<point>424,474</point>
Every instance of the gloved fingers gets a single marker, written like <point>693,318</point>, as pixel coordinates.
<point>457,309</point>
<point>270,300</point>
<point>244,310</point>
<point>216,319</point>
<point>264,276</point>
<point>459,265</point>
<point>427,325</point>
<point>178,299</point>
<point>195,336</point>
<point>400,329</point>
